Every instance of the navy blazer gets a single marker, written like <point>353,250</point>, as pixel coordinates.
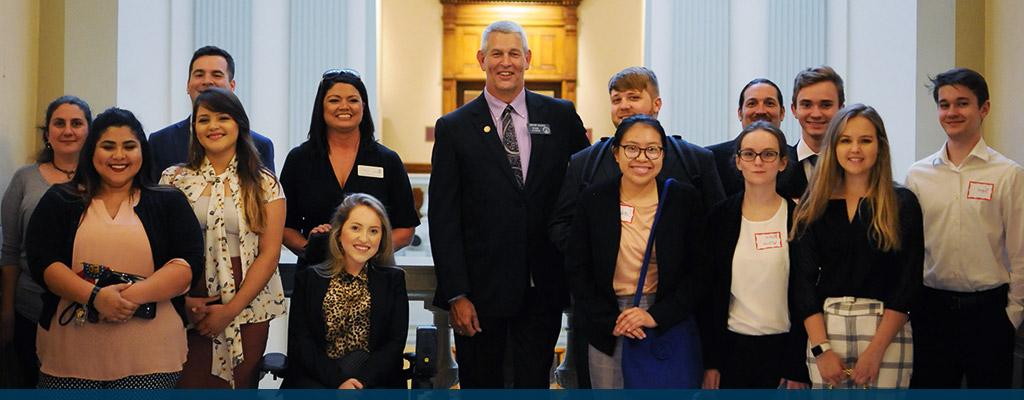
<point>489,236</point>
<point>580,167</point>
<point>722,235</point>
<point>308,364</point>
<point>594,248</point>
<point>790,184</point>
<point>170,146</point>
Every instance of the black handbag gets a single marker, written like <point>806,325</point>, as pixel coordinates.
<point>104,277</point>
<point>670,359</point>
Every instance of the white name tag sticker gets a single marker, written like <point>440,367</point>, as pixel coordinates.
<point>980,190</point>
<point>626,213</point>
<point>768,240</point>
<point>370,171</point>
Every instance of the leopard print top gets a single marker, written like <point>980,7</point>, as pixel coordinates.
<point>347,314</point>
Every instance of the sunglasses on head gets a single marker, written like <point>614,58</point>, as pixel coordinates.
<point>336,72</point>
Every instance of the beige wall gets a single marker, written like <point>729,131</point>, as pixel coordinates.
<point>410,75</point>
<point>610,38</point>
<point>1004,128</point>
<point>19,50</point>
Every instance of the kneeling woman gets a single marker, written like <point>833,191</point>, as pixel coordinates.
<point>610,232</point>
<point>861,245</point>
<point>350,314</point>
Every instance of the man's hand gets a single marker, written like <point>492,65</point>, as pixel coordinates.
<point>463,317</point>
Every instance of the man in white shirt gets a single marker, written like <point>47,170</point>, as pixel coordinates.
<point>972,198</point>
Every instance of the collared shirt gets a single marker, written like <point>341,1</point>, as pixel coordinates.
<point>520,120</point>
<point>802,152</point>
<point>347,314</point>
<point>973,223</point>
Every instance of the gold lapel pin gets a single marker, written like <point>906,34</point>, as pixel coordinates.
<point>487,129</point>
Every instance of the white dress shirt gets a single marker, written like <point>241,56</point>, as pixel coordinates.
<point>802,152</point>
<point>973,223</point>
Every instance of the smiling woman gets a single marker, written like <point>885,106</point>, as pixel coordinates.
<point>622,212</point>
<point>112,216</point>
<point>342,156</point>
<point>240,206</point>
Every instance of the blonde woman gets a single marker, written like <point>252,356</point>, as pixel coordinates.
<point>861,251</point>
<point>350,314</point>
<point>241,208</point>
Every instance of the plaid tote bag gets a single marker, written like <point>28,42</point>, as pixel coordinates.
<point>851,323</point>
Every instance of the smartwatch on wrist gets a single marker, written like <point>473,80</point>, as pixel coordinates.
<point>820,349</point>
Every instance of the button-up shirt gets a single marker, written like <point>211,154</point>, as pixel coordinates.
<point>520,120</point>
<point>802,152</point>
<point>973,223</point>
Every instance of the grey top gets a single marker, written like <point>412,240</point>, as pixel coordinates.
<point>26,188</point>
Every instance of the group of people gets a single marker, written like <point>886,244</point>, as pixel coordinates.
<point>135,262</point>
<point>780,265</point>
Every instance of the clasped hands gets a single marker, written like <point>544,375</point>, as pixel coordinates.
<point>631,322</point>
<point>208,319</point>
<point>864,372</point>
<point>112,305</point>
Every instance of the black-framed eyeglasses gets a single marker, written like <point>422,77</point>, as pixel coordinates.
<point>632,151</point>
<point>336,72</point>
<point>749,155</point>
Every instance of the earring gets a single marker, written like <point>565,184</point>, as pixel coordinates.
<point>48,145</point>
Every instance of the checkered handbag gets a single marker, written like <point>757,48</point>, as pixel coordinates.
<point>851,323</point>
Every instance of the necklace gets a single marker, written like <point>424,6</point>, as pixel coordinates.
<point>70,173</point>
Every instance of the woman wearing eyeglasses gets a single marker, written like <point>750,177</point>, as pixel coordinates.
<point>747,335</point>
<point>610,233</point>
<point>341,156</point>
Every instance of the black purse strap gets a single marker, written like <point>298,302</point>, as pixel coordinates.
<point>650,244</point>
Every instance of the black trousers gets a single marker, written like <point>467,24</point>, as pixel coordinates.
<point>753,362</point>
<point>958,335</point>
<point>24,352</point>
<point>531,340</point>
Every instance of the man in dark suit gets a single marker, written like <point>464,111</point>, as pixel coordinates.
<point>497,164</point>
<point>210,66</point>
<point>817,95</point>
<point>631,91</point>
<point>760,100</point>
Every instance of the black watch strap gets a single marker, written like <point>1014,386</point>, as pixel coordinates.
<point>92,297</point>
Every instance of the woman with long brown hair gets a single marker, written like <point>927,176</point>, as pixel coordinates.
<point>241,208</point>
<point>860,240</point>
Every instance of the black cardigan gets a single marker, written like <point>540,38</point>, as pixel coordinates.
<point>309,366</point>
<point>167,217</point>
<point>594,247</point>
<point>722,235</point>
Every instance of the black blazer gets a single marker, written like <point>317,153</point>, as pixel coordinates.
<point>488,236</point>
<point>587,168</point>
<point>308,364</point>
<point>167,217</point>
<point>722,234</point>
<point>791,183</point>
<point>594,247</point>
